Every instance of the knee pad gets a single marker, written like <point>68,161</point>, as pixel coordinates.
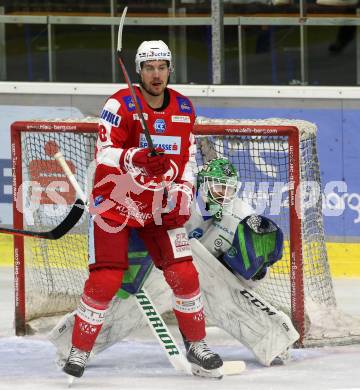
<point>182,277</point>
<point>102,284</point>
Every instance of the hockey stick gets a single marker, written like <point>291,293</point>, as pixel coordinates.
<point>167,340</point>
<point>133,94</point>
<point>162,332</point>
<point>67,224</point>
<point>131,87</point>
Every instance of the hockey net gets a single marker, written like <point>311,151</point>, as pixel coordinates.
<point>278,173</point>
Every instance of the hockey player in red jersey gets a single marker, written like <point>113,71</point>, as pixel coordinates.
<point>129,194</point>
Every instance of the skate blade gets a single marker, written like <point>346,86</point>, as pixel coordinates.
<point>71,380</point>
<point>201,372</point>
<point>233,367</point>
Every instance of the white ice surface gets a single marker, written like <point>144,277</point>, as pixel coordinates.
<point>139,363</point>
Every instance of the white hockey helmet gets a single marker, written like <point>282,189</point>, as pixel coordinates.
<point>153,51</point>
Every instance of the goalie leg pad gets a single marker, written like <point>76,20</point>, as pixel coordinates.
<point>187,304</point>
<point>240,311</point>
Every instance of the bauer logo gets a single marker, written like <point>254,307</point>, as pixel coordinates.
<point>171,145</point>
<point>160,126</point>
<point>184,105</point>
<point>111,118</point>
<point>130,103</point>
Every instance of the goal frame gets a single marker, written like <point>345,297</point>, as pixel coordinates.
<point>291,133</point>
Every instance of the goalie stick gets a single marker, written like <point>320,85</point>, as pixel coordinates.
<point>148,309</point>
<point>67,224</point>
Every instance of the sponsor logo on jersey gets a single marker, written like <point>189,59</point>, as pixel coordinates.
<point>133,209</point>
<point>98,200</point>
<point>160,126</point>
<point>136,116</point>
<point>111,118</point>
<point>184,105</point>
<point>171,145</point>
<point>130,104</point>
<point>218,243</point>
<point>179,242</point>
<point>180,119</point>
<point>196,233</point>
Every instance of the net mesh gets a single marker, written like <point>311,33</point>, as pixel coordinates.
<point>56,270</point>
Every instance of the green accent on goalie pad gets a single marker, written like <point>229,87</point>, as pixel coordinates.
<point>122,294</point>
<point>140,265</point>
<point>130,274</point>
<point>133,255</point>
<point>135,276</point>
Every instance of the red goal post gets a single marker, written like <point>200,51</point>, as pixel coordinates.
<point>271,155</point>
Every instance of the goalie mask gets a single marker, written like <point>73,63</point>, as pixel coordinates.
<point>217,183</point>
<point>153,51</point>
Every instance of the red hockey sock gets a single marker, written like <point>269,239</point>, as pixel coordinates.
<point>188,307</point>
<point>88,322</point>
<point>99,289</point>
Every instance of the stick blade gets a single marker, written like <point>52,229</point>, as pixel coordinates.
<point>233,367</point>
<point>70,220</point>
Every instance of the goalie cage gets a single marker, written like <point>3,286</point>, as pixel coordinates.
<point>273,157</point>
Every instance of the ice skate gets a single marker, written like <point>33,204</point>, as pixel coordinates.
<point>76,362</point>
<point>204,362</point>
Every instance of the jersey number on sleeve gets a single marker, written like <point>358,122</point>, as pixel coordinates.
<point>102,133</point>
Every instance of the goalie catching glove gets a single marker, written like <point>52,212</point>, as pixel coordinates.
<point>257,244</point>
<point>179,200</point>
<point>144,159</point>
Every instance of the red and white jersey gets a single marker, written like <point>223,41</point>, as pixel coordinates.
<point>130,197</point>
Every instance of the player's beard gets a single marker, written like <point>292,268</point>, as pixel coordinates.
<point>147,88</point>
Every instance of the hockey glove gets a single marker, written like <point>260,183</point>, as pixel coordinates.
<point>143,159</point>
<point>258,244</point>
<point>179,201</point>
